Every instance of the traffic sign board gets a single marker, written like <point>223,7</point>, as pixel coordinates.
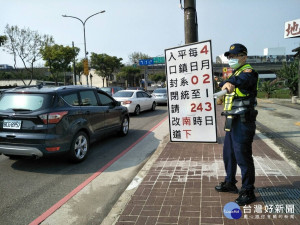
<point>85,67</point>
<point>159,60</point>
<point>145,62</point>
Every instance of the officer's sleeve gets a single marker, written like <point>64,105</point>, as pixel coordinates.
<point>247,78</point>
<point>222,83</point>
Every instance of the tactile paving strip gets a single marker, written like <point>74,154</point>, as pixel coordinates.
<point>281,196</point>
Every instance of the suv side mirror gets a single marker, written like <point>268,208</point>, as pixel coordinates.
<point>118,103</point>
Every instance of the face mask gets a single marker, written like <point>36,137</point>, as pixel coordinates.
<point>233,63</point>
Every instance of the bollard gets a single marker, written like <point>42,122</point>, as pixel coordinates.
<point>294,99</point>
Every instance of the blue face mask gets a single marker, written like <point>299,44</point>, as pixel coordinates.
<point>234,63</point>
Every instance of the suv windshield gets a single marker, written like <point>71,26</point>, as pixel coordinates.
<point>123,94</point>
<point>24,102</point>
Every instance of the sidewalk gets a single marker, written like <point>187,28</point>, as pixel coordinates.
<point>179,187</point>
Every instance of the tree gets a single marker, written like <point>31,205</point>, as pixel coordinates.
<point>129,73</point>
<point>78,67</point>
<point>268,87</point>
<point>3,39</point>
<point>58,58</point>
<point>289,73</point>
<point>158,77</point>
<point>25,44</point>
<point>136,56</point>
<point>105,65</point>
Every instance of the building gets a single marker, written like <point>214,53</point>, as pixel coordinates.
<point>5,67</point>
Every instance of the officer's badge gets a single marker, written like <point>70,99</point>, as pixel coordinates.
<point>232,47</point>
<point>247,70</point>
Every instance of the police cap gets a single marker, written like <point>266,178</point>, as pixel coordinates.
<point>236,49</point>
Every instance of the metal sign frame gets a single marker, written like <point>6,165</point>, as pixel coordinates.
<point>190,85</point>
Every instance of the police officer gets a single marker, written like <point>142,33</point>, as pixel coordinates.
<point>240,125</point>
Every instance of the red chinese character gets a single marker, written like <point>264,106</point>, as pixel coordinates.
<point>186,121</point>
<point>293,30</point>
<point>187,133</point>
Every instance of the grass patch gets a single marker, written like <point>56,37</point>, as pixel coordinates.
<point>280,93</point>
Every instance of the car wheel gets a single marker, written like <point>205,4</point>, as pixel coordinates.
<point>153,106</point>
<point>14,157</point>
<point>79,147</point>
<point>137,110</point>
<point>124,126</point>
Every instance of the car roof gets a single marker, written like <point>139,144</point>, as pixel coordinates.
<point>111,87</point>
<point>49,89</point>
<point>131,91</point>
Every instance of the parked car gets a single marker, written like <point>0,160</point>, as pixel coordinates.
<point>160,95</point>
<point>136,101</point>
<point>112,90</point>
<point>40,121</point>
<point>136,88</point>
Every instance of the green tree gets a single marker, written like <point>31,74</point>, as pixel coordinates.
<point>129,73</point>
<point>136,56</point>
<point>3,39</point>
<point>105,65</point>
<point>26,45</point>
<point>78,67</point>
<point>158,77</point>
<point>58,58</point>
<point>289,73</point>
<point>268,87</point>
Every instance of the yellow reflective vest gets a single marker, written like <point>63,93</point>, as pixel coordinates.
<point>237,92</point>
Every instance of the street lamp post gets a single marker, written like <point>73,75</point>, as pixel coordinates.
<point>83,23</point>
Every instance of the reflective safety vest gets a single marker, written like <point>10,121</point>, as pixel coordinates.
<point>228,102</point>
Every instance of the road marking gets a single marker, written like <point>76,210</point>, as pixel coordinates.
<point>135,183</point>
<point>297,123</point>
<point>56,206</point>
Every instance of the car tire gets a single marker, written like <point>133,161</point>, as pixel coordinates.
<point>124,126</point>
<point>153,106</point>
<point>137,110</point>
<point>14,157</point>
<point>79,147</point>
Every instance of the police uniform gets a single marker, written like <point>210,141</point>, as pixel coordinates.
<point>240,113</point>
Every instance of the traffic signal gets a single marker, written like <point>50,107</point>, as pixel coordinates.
<point>85,67</point>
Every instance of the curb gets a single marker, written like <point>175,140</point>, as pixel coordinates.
<point>120,205</point>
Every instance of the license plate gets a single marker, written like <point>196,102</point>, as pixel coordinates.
<point>12,124</point>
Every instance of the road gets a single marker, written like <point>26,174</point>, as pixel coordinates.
<point>30,187</point>
<point>279,120</point>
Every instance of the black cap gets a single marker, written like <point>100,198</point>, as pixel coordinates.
<point>236,49</point>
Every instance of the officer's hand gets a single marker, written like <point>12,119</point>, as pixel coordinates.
<point>230,87</point>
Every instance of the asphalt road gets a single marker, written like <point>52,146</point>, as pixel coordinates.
<point>279,120</point>
<point>28,188</point>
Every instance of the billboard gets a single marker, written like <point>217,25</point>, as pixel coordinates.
<point>227,71</point>
<point>292,29</point>
<point>192,115</point>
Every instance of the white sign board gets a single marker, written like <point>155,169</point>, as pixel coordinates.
<point>192,115</point>
<point>292,29</point>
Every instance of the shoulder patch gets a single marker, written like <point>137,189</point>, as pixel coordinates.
<point>247,70</point>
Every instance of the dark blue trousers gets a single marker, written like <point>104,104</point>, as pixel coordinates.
<point>237,150</point>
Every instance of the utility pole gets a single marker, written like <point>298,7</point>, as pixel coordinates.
<point>190,21</point>
<point>74,66</point>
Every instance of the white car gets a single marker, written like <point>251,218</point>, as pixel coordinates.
<point>136,101</point>
<point>160,95</point>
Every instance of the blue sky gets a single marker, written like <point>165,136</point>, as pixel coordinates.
<point>150,27</point>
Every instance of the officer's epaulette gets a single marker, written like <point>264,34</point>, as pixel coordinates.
<point>247,70</point>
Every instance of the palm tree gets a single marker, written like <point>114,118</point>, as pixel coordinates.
<point>268,87</point>
<point>289,73</point>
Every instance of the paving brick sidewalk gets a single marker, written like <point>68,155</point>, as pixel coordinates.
<point>179,187</point>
